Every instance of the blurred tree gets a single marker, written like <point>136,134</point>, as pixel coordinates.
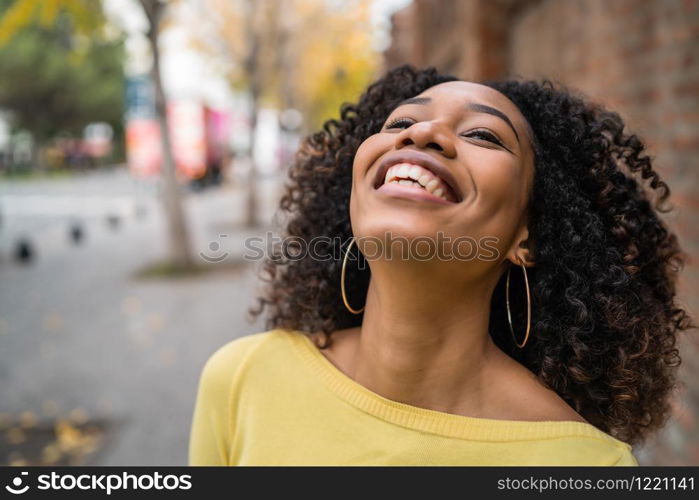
<point>312,55</point>
<point>86,16</point>
<point>330,56</point>
<point>181,255</point>
<point>247,43</point>
<point>260,23</point>
<point>309,54</point>
<point>55,80</point>
<point>51,89</point>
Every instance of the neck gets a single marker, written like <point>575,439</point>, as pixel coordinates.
<point>424,338</point>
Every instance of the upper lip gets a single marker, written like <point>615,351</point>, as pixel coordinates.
<point>423,160</point>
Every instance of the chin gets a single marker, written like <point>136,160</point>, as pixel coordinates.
<point>378,232</point>
<point>408,227</point>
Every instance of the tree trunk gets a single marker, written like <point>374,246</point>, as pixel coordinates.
<point>179,237</point>
<point>251,219</point>
<point>252,69</point>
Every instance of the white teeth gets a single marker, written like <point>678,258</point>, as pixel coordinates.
<point>414,175</point>
<point>415,172</point>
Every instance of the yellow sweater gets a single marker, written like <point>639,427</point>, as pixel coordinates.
<point>273,399</point>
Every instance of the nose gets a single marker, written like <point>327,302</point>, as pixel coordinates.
<point>427,135</point>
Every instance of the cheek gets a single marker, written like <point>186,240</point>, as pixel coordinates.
<point>500,182</point>
<point>501,186</point>
<point>368,153</point>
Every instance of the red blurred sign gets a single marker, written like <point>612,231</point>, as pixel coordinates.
<point>187,137</point>
<point>143,147</point>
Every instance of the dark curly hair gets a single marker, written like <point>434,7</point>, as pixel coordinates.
<point>604,317</point>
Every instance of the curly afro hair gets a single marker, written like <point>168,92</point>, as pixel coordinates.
<point>604,317</point>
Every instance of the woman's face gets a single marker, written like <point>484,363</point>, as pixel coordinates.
<point>455,159</point>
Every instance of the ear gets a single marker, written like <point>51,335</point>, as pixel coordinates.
<point>522,250</point>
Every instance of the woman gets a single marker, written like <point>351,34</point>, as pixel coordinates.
<point>512,301</point>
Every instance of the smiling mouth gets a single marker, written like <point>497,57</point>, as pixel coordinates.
<point>418,176</point>
<point>413,171</point>
<point>408,174</point>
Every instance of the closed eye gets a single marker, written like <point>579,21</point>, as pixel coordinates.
<point>484,134</point>
<point>399,123</point>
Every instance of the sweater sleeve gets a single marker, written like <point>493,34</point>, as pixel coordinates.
<point>211,432</point>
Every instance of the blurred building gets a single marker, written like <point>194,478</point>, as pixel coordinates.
<point>640,58</point>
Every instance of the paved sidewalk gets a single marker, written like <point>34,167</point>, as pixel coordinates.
<point>80,336</point>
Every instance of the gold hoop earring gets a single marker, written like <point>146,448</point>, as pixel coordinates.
<point>529,305</point>
<point>342,282</point>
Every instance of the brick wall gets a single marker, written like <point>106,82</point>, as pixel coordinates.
<point>638,57</point>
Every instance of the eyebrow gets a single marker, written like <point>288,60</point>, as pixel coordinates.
<point>472,106</point>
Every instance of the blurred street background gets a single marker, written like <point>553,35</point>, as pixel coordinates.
<point>142,141</point>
